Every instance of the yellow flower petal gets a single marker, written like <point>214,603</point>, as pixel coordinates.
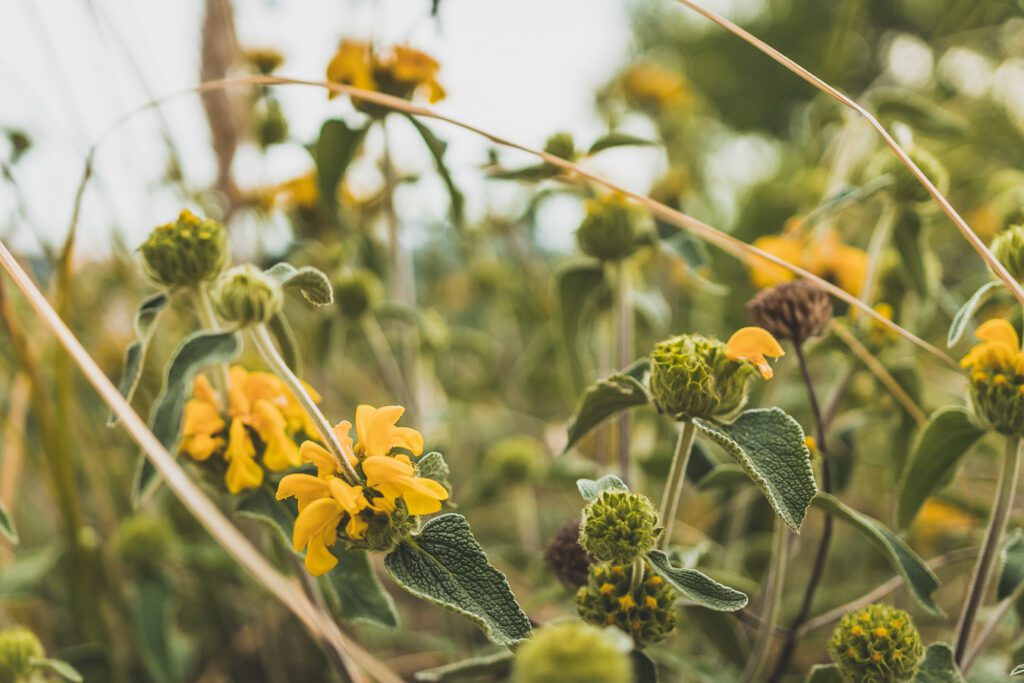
<point>243,471</point>
<point>998,331</point>
<point>753,344</point>
<point>352,65</point>
<point>315,520</point>
<point>377,433</point>
<point>310,451</point>
<point>281,452</point>
<point>203,391</point>
<point>764,273</point>
<point>350,497</point>
<point>394,478</point>
<point>319,560</point>
<point>304,487</point>
<point>201,422</point>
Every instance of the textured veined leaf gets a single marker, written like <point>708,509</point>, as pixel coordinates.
<point>696,586</point>
<point>920,580</point>
<point>433,466</point>
<point>945,439</point>
<point>311,283</point>
<point>591,489</point>
<point>769,445</point>
<point>607,397</point>
<point>938,666</point>
<point>963,316</point>
<point>135,354</point>
<point>824,673</point>
<point>445,565</point>
<point>1018,670</point>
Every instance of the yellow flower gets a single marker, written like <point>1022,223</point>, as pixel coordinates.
<point>652,86</point>
<point>764,273</point>
<point>243,471</point>
<point>323,503</point>
<point>416,68</point>
<point>826,256</point>
<point>378,434</point>
<point>352,65</point>
<point>753,344</point>
<point>396,477</point>
<point>999,348</point>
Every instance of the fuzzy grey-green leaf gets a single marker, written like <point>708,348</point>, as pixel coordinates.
<point>433,466</point>
<point>591,489</point>
<point>608,396</point>
<point>696,586</point>
<point>945,439</point>
<point>919,579</point>
<point>360,594</point>
<point>966,312</point>
<point>312,283</point>
<point>1018,670</point>
<point>824,673</point>
<point>495,667</point>
<point>938,666</point>
<point>445,565</point>
<point>769,445</point>
<point>135,354</point>
<point>7,528</point>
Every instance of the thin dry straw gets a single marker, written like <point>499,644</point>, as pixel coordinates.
<point>204,510</point>
<point>965,230</point>
<point>726,242</point>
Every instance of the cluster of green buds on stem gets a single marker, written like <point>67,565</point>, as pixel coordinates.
<point>876,644</point>
<point>186,253</point>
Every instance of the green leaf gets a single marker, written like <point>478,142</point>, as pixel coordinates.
<point>966,312</point>
<point>591,490</point>
<point>769,445</point>
<point>262,505</point>
<point>919,112</point>
<point>334,150</point>
<point>437,148</point>
<point>152,627</point>
<point>360,594</point>
<point>135,355</point>
<point>908,239</point>
<point>945,439</point>
<point>1018,670</point>
<point>445,565</point>
<point>824,673</point>
<point>311,283</point>
<point>30,567</point>
<point>696,586</point>
<point>918,577</point>
<point>938,666</point>
<point>7,528</point>
<point>494,667</point>
<point>287,342</point>
<point>618,140</point>
<point>1013,565</point>
<point>197,351</point>
<point>62,669</point>
<point>532,172</point>
<point>581,283</point>
<point>683,245</point>
<point>433,466</point>
<point>644,668</point>
<point>618,392</point>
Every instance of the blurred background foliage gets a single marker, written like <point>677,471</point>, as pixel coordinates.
<point>496,334</point>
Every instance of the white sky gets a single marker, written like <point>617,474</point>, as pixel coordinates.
<point>522,69</point>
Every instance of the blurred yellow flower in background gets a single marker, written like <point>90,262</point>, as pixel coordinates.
<point>825,255</point>
<point>400,71</point>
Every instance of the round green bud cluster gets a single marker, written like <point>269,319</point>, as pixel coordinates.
<point>185,253</point>
<point>876,644</point>
<point>384,532</point>
<point>999,401</point>
<point>572,652</point>
<point>19,647</point>
<point>248,296</point>
<point>906,187</point>
<point>647,613</point>
<point>691,377</point>
<point>619,527</point>
<point>271,125</point>
<point>611,229</point>
<point>357,292</point>
<point>1008,248</point>
<point>561,145</point>
<point>515,460</point>
<point>144,542</point>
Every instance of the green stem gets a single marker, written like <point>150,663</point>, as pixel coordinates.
<point>986,562</point>
<point>624,348</point>
<point>208,318</point>
<point>674,485</point>
<point>774,582</point>
<point>265,345</point>
<point>637,578</point>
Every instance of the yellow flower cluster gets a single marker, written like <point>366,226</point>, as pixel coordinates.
<point>998,353</point>
<point>400,71</point>
<point>653,87</point>
<point>327,501</point>
<point>263,416</point>
<point>826,256</point>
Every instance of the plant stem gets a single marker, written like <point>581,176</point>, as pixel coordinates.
<point>385,358</point>
<point>265,345</point>
<point>770,608</point>
<point>1004,606</point>
<point>624,348</point>
<point>526,517</point>
<point>674,484</point>
<point>990,547</point>
<point>204,309</point>
<point>637,578</point>
<point>821,555</point>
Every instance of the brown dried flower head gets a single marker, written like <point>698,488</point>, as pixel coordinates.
<point>795,310</point>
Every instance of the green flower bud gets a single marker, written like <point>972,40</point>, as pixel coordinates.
<point>384,532</point>
<point>185,253</point>
<point>263,59</point>
<point>998,400</point>
<point>647,613</point>
<point>357,293</point>
<point>619,527</point>
<point>1008,247</point>
<point>572,652</point>
<point>876,644</point>
<point>611,229</point>
<point>144,542</point>
<point>907,188</point>
<point>515,460</point>
<point>561,145</point>
<point>271,125</point>
<point>18,648</point>
<point>248,296</point>
<point>691,377</point>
